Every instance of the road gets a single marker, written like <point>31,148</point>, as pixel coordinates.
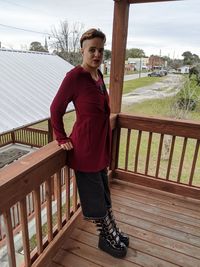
<point>127,77</point>
<point>169,86</point>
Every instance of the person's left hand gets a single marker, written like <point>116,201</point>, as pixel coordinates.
<point>67,146</point>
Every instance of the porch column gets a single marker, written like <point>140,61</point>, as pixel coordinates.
<point>119,39</point>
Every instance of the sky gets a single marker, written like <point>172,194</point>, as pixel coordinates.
<point>165,28</point>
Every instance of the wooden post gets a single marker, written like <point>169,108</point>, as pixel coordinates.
<point>119,38</point>
<point>50,132</point>
<point>13,136</point>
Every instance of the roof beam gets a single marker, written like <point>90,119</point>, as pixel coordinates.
<point>148,1</point>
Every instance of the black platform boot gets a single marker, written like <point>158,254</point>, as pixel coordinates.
<point>109,240</point>
<point>123,237</point>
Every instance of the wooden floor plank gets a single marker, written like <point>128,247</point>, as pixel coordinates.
<point>165,197</point>
<point>154,209</point>
<point>158,219</point>
<point>157,203</point>
<point>164,231</point>
<point>54,264</point>
<point>152,238</point>
<point>134,255</point>
<point>68,259</point>
<point>93,254</point>
<point>148,248</point>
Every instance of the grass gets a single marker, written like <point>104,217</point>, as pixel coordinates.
<point>186,168</point>
<point>156,107</point>
<point>161,107</point>
<point>131,85</point>
<point>150,107</point>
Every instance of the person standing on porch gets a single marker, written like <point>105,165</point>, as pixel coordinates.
<point>88,146</point>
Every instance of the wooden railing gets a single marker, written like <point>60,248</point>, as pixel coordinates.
<point>6,139</point>
<point>26,136</point>
<point>30,136</point>
<point>36,187</point>
<point>160,153</point>
<point>39,184</point>
<point>60,210</point>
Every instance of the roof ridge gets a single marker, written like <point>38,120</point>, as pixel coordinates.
<point>24,51</point>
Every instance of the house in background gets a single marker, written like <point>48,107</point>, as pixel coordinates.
<point>138,63</point>
<point>183,70</point>
<point>156,62</point>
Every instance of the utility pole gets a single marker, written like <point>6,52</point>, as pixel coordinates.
<point>140,67</point>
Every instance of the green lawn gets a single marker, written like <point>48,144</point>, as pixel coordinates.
<point>160,107</point>
<point>140,82</point>
<point>189,154</point>
<point>156,107</point>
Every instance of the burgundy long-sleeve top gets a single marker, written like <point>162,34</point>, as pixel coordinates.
<point>91,134</point>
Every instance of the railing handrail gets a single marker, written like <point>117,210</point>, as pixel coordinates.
<point>21,174</point>
<point>184,128</point>
<point>167,168</point>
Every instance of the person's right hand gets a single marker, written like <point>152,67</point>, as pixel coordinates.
<point>67,146</point>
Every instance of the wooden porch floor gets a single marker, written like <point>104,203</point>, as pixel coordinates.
<point>164,231</point>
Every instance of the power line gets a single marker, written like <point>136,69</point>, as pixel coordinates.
<point>26,7</point>
<point>26,30</point>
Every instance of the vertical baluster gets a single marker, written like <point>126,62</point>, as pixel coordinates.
<point>59,200</point>
<point>9,239</point>
<point>49,208</point>
<point>74,197</point>
<point>23,136</point>
<point>115,148</point>
<point>30,137</point>
<point>1,234</point>
<point>159,155</point>
<point>13,219</point>
<point>25,236</point>
<point>127,148</point>
<point>194,162</point>
<point>18,213</point>
<point>181,160</point>
<point>38,220</point>
<point>35,138</point>
<point>148,153</point>
<point>67,186</point>
<point>170,157</point>
<point>137,150</point>
<point>39,138</point>
<point>30,200</point>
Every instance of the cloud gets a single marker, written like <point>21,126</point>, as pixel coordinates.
<point>167,26</point>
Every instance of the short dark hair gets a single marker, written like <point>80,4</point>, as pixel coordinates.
<point>92,33</point>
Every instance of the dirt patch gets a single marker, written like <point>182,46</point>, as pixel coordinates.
<point>169,86</point>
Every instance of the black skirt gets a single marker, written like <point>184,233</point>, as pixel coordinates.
<point>94,193</point>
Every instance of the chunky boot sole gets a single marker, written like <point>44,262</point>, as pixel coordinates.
<point>105,246</point>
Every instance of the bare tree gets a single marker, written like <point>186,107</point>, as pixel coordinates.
<point>66,42</point>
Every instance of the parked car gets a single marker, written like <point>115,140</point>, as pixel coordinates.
<point>165,72</point>
<point>155,74</point>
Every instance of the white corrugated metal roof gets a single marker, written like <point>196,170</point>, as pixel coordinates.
<point>28,84</point>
